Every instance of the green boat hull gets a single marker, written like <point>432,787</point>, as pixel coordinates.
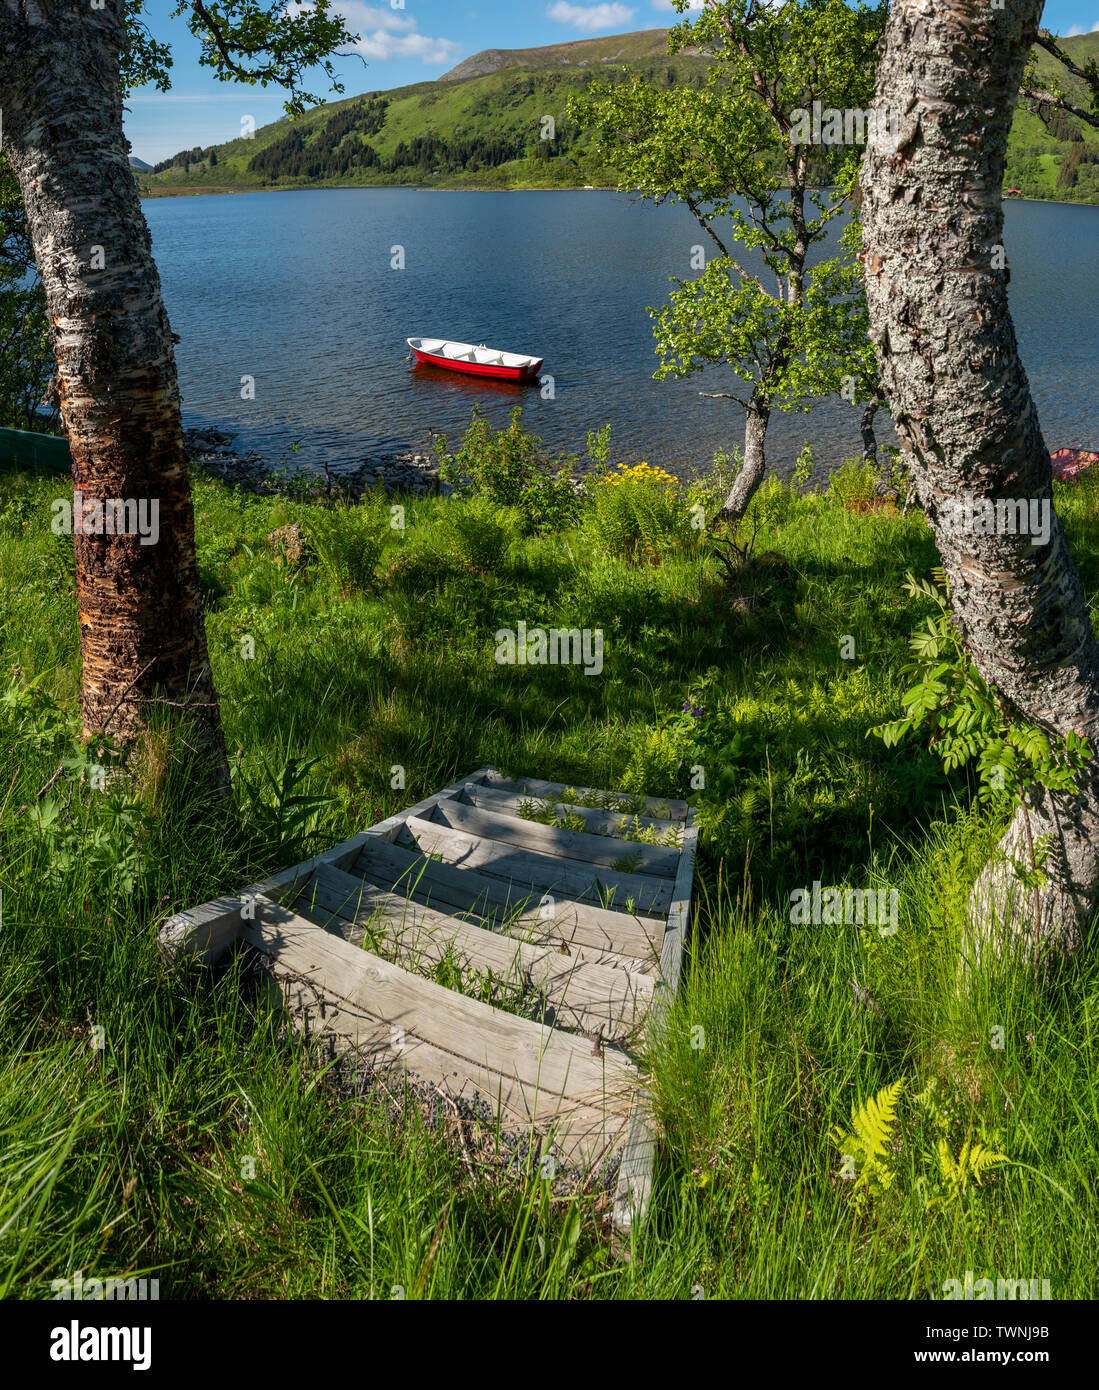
<point>48,453</point>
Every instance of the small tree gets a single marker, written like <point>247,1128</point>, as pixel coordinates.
<point>26,356</point>
<point>737,153</point>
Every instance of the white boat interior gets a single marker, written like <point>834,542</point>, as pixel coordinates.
<point>470,352</point>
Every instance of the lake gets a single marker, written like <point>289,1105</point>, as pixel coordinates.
<point>297,291</point>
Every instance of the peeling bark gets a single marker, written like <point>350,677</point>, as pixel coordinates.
<point>950,370</point>
<point>142,636</point>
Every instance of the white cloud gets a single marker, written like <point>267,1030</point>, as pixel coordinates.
<point>385,33</point>
<point>694,7</point>
<point>1078,29</point>
<point>590,17</point>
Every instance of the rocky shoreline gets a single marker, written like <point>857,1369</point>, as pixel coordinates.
<point>413,472</point>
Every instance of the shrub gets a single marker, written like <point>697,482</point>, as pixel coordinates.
<point>510,468</point>
<point>655,765</point>
<point>478,533</point>
<point>347,541</point>
<point>638,513</point>
<point>418,571</point>
<point>709,490</point>
<point>854,484</point>
<point>773,503</point>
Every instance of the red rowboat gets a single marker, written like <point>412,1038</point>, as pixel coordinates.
<point>477,360</point>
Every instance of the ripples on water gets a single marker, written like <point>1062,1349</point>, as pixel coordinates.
<point>296,290</point>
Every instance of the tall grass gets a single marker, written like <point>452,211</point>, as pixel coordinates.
<point>153,1123</point>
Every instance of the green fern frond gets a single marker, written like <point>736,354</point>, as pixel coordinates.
<point>974,1160</point>
<point>871,1125</point>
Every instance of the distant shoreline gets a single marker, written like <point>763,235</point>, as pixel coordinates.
<point>182,191</point>
<point>206,191</point>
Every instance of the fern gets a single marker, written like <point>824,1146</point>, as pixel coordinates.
<point>968,722</point>
<point>974,1161</point>
<point>347,541</point>
<point>871,1131</point>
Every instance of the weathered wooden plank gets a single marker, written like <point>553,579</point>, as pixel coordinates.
<point>533,786</point>
<point>583,995</point>
<point>606,851</point>
<point>548,1066</point>
<point>412,874</point>
<point>386,828</point>
<point>206,932</point>
<point>531,869</point>
<point>597,822</point>
<point>578,1133</point>
<point>634,1186</point>
<point>635,1175</point>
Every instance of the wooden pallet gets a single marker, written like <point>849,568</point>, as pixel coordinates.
<point>585,922</point>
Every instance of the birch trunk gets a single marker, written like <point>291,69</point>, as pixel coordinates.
<point>866,428</point>
<point>936,285</point>
<point>754,464</point>
<point>142,637</point>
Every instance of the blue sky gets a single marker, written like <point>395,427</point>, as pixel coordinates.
<point>401,43</point>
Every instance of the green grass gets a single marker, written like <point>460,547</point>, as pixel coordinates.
<point>133,1157</point>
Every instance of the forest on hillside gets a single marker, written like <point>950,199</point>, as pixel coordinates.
<point>488,130</point>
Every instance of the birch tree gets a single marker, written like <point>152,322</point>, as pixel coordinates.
<point>64,66</point>
<point>936,285</point>
<point>777,117</point>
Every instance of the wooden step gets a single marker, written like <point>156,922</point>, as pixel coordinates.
<point>534,786</point>
<point>583,995</point>
<point>603,850</point>
<point>411,874</point>
<point>206,932</point>
<point>531,870</point>
<point>505,907</point>
<point>528,1072</point>
<point>595,821</point>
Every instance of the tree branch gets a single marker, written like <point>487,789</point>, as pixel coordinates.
<point>1062,103</point>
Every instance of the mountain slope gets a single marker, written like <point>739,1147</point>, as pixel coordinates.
<point>480,126</point>
<point>621,48</point>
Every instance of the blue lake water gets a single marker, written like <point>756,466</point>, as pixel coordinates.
<point>297,291</point>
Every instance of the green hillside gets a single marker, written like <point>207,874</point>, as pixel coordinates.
<point>617,48</point>
<point>480,126</point>
<point>481,130</point>
<point>1057,157</point>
